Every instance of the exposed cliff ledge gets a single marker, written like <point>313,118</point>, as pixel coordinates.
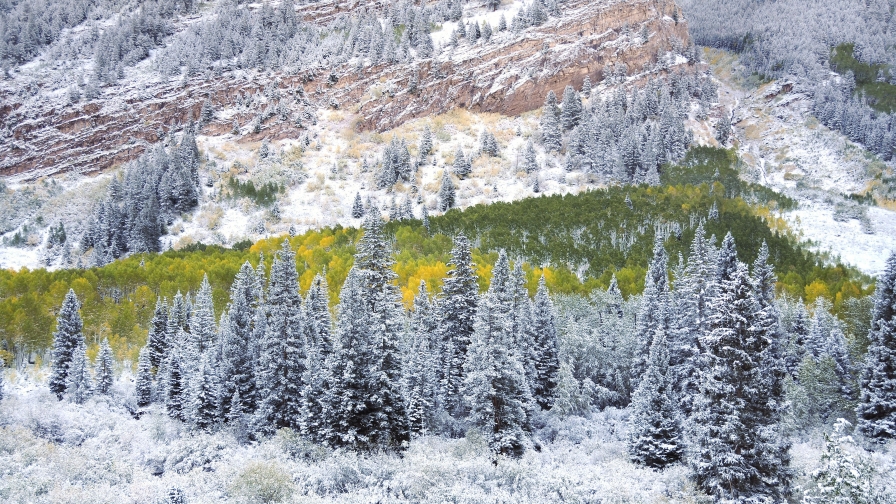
<point>510,74</point>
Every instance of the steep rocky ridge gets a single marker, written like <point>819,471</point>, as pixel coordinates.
<point>511,74</point>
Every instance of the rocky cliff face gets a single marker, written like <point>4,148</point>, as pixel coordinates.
<point>511,74</point>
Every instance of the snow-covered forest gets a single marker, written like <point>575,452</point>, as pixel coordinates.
<point>447,251</point>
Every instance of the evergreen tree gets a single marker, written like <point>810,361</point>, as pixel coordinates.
<point>654,312</point>
<point>530,163</point>
<point>654,432</point>
<point>313,419</point>
<point>737,451</point>
<point>66,339</point>
<point>385,422</point>
<point>237,344</point>
<point>877,407</point>
<point>104,371</point>
<point>420,377</point>
<point>446,193</point>
<point>157,339</point>
<point>203,406</point>
<point>425,142</point>
<point>2,373</point>
<point>78,383</point>
<point>175,380</point>
<point>550,123</point>
<point>357,207</point>
<point>572,108</point>
<point>547,361</point>
<point>282,352</point>
<point>462,166</point>
<point>144,378</point>
<point>202,321</point>
<point>495,387</point>
<point>460,296</point>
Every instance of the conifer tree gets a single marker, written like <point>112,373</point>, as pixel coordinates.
<point>66,339</point>
<point>547,361</point>
<point>420,377</point>
<point>282,352</point>
<point>78,382</point>
<point>550,123</point>
<point>237,344</point>
<point>202,321</point>
<point>144,378</point>
<point>319,349</point>
<point>530,163</point>
<point>357,207</point>
<point>654,312</point>
<point>203,406</point>
<point>157,340</point>
<point>495,386</point>
<point>2,373</point>
<point>654,432</point>
<point>425,142</point>
<point>462,166</point>
<point>877,407</point>
<point>446,193</point>
<point>737,450</point>
<point>175,380</point>
<point>572,109</point>
<point>460,296</point>
<point>104,370</point>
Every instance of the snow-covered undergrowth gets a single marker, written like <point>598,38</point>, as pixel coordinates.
<point>53,451</point>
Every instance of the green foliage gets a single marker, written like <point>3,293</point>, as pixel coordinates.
<point>578,241</point>
<point>263,195</point>
<point>881,95</point>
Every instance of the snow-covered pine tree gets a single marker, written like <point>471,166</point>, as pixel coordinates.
<point>318,353</point>
<point>586,87</point>
<point>654,429</point>
<point>425,148</point>
<point>203,408</point>
<point>143,387</point>
<point>386,422</point>
<point>547,360</point>
<point>2,377</point>
<point>495,388</point>
<point>653,315</point>
<point>446,193</point>
<point>157,340</point>
<point>281,362</point>
<point>202,321</point>
<point>876,411</point>
<point>550,123</point>
<point>237,346</point>
<point>66,339</point>
<point>421,366</point>
<point>462,166</point>
<point>176,380</point>
<point>530,162</point>
<point>357,207</point>
<point>104,372</point>
<point>736,450</point>
<point>572,108</point>
<point>460,296</point>
<point>78,382</point>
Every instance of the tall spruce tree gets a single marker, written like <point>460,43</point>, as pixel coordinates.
<point>654,429</point>
<point>282,352</point>
<point>495,386</point>
<point>66,339</point>
<point>550,123</point>
<point>143,387</point>
<point>319,348</point>
<point>237,344</point>
<point>460,296</point>
<point>737,450</point>
<point>204,399</point>
<point>157,337</point>
<point>546,354</point>
<point>104,372</point>
<point>202,321</point>
<point>357,207</point>
<point>176,380</point>
<point>384,420</point>
<point>572,109</point>
<point>877,407</point>
<point>420,377</point>
<point>446,193</point>
<point>654,313</point>
<point>78,382</point>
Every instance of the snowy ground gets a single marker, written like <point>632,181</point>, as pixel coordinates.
<point>785,148</point>
<point>59,452</point>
